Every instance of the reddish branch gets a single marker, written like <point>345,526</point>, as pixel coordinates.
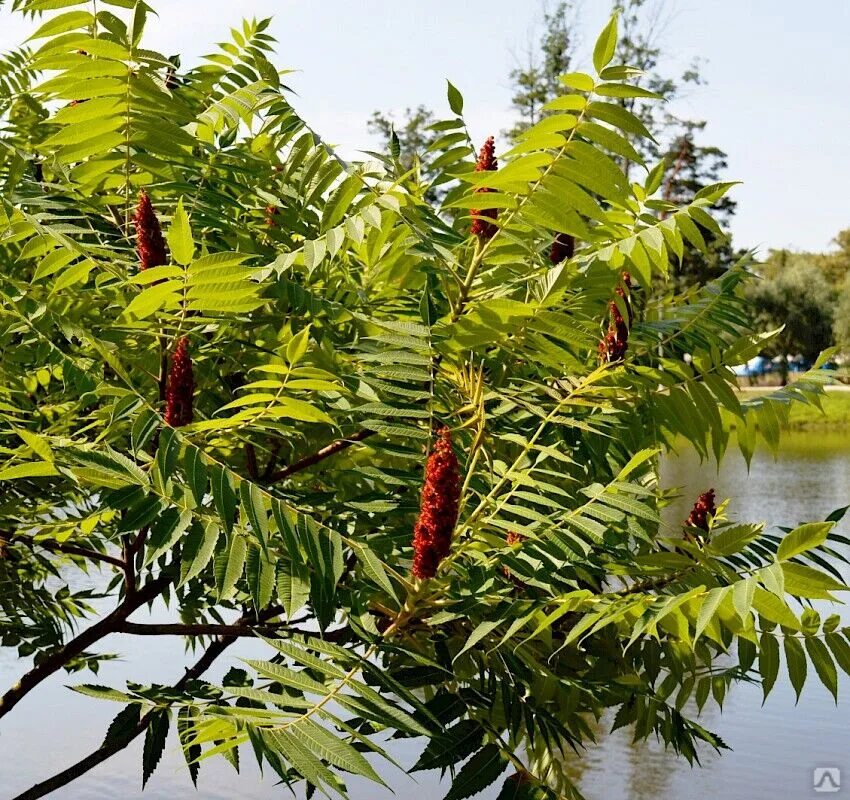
<point>320,455</point>
<point>110,748</point>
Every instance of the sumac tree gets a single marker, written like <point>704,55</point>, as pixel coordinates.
<point>231,360</point>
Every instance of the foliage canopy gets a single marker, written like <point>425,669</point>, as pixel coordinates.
<point>326,322</point>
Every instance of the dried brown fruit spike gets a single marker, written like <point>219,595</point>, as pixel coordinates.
<point>150,244</point>
<point>616,341</point>
<point>180,388</point>
<point>432,535</point>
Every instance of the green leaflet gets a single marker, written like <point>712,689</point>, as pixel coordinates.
<point>796,659</point>
<point>451,747</point>
<point>255,513</point>
<point>229,564</point>
<point>198,549</point>
<point>293,586</point>
<point>478,773</point>
<point>326,745</point>
<point>803,538</point>
<point>165,532</point>
<point>155,738</point>
<point>261,577</point>
<point>823,664</point>
<point>223,495</point>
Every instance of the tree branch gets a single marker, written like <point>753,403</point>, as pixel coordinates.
<point>196,629</point>
<point>320,455</point>
<point>78,644</point>
<point>61,547</point>
<point>109,749</point>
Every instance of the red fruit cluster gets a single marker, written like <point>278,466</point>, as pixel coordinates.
<point>481,228</point>
<point>271,213</point>
<point>149,242</point>
<point>563,248</point>
<point>180,387</point>
<point>702,510</point>
<point>613,347</point>
<point>432,535</point>
<point>514,538</point>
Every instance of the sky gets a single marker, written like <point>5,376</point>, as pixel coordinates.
<point>776,99</point>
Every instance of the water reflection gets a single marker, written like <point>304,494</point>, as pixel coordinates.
<point>775,747</point>
<point>775,750</point>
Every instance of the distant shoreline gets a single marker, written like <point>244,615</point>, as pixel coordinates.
<point>835,404</point>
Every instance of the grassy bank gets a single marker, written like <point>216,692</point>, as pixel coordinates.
<point>835,404</point>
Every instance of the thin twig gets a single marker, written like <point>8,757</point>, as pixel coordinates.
<point>320,455</point>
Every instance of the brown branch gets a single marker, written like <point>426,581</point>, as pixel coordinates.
<point>68,549</point>
<point>109,749</point>
<point>272,462</point>
<point>251,462</point>
<point>128,564</point>
<point>195,629</point>
<point>320,455</point>
<point>80,643</point>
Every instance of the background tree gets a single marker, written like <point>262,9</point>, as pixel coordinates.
<point>841,324</point>
<point>835,264</point>
<point>414,136</point>
<point>800,299</point>
<point>537,81</point>
<point>689,164</point>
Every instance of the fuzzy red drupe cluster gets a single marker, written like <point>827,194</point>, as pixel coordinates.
<point>563,248</point>
<point>150,244</point>
<point>432,536</point>
<point>180,387</point>
<point>487,162</point>
<point>703,509</point>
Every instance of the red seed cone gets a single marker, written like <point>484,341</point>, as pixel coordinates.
<point>149,242</point>
<point>432,535</point>
<point>703,508</point>
<point>481,228</point>
<point>180,387</point>
<point>563,248</point>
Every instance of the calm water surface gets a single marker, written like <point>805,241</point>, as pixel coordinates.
<point>775,747</point>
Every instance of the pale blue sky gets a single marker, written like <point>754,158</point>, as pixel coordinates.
<point>777,99</point>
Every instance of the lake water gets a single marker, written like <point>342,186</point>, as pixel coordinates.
<point>775,747</point>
